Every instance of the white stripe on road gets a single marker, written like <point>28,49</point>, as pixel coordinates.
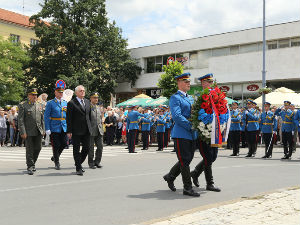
<point>126,176</point>
<point>76,182</point>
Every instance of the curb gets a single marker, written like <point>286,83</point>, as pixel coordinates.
<point>214,205</point>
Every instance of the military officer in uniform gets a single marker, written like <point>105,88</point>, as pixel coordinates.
<point>160,129</point>
<point>268,124</point>
<point>235,129</point>
<point>96,133</point>
<point>252,127</point>
<point>167,127</point>
<point>145,128</point>
<point>287,128</point>
<point>208,153</point>
<point>181,105</point>
<point>55,122</point>
<point>297,122</point>
<point>133,118</point>
<point>32,128</point>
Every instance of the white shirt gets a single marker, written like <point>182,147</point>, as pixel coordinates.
<point>81,101</point>
<point>185,94</point>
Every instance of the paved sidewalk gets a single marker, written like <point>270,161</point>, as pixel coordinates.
<point>280,207</point>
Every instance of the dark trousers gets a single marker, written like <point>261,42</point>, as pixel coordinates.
<point>185,153</point>
<point>145,139</point>
<point>160,140</point>
<point>252,142</point>
<point>287,140</point>
<point>235,141</point>
<point>110,132</point>
<point>269,140</point>
<point>79,157</point>
<point>127,138</point>
<point>229,140</point>
<point>167,137</point>
<point>33,148</point>
<point>94,158</point>
<point>243,139</point>
<point>58,142</point>
<point>132,138</point>
<point>208,153</point>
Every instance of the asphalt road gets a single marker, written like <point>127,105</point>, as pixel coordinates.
<point>129,189</point>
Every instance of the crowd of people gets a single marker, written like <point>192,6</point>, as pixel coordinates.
<point>86,124</point>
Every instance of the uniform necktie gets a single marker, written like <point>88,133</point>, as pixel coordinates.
<point>82,103</point>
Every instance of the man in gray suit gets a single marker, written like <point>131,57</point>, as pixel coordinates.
<point>96,133</point>
<point>32,128</point>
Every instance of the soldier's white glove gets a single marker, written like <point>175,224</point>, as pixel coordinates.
<point>274,132</point>
<point>293,132</point>
<point>48,132</point>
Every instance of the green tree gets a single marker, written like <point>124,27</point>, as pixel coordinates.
<point>12,60</point>
<point>80,46</point>
<point>167,81</point>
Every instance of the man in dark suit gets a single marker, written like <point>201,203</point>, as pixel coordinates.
<point>79,127</point>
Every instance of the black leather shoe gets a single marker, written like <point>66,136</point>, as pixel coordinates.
<point>98,166</point>
<point>158,150</point>
<point>264,157</point>
<point>211,187</point>
<point>93,167</point>
<point>195,179</point>
<point>285,157</point>
<point>248,156</point>
<point>57,166</point>
<point>170,183</point>
<point>233,155</point>
<point>79,172</point>
<point>30,171</point>
<point>191,192</point>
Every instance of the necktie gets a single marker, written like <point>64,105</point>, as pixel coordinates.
<point>82,103</point>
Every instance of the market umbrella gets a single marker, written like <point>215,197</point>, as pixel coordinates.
<point>279,95</point>
<point>140,100</point>
<point>159,101</point>
<point>230,100</point>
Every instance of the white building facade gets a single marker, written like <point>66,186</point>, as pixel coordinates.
<point>235,59</point>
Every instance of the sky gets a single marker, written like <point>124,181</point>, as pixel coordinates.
<point>149,22</point>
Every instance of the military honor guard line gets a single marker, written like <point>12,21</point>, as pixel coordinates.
<point>80,121</point>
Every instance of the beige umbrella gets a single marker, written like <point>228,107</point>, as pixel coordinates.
<point>67,95</point>
<point>279,95</point>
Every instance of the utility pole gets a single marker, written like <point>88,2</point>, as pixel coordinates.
<point>264,55</point>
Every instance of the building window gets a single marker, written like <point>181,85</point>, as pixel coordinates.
<point>15,38</point>
<point>193,60</point>
<point>295,42</point>
<point>34,41</point>
<point>234,50</point>
<point>150,64</point>
<point>284,43</point>
<point>249,48</point>
<point>220,52</point>
<point>183,58</point>
<point>272,45</point>
<point>165,58</point>
<point>203,58</point>
<point>158,63</point>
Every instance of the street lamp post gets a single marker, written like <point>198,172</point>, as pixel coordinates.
<point>264,55</point>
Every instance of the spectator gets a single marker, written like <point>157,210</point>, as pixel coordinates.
<point>3,127</point>
<point>13,129</point>
<point>110,123</point>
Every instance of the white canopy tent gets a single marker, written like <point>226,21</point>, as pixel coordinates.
<point>279,95</point>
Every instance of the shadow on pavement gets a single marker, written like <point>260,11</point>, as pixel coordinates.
<point>14,173</point>
<point>56,174</point>
<point>166,195</point>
